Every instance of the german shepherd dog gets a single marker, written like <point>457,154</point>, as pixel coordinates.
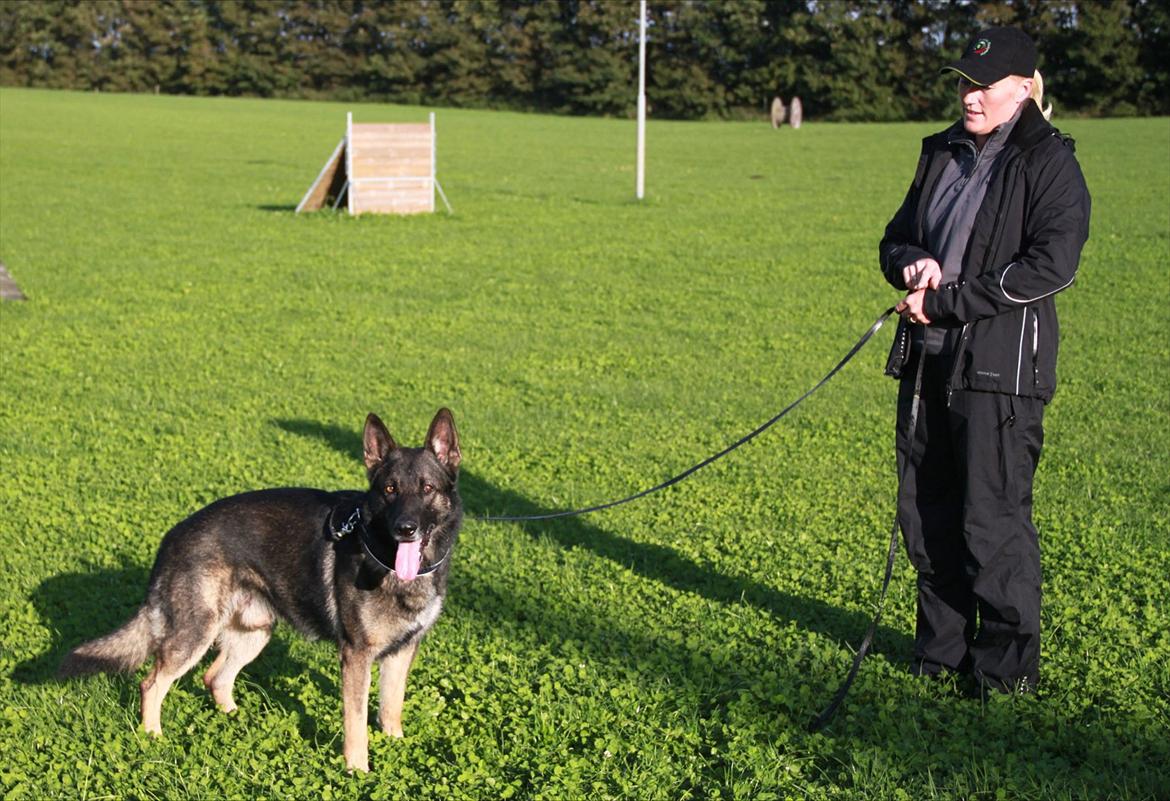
<point>368,570</point>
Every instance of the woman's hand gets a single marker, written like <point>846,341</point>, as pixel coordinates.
<point>922,274</point>
<point>911,308</point>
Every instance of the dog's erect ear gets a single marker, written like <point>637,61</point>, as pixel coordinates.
<point>377,443</point>
<point>443,440</point>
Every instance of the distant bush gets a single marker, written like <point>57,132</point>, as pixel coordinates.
<point>874,60</point>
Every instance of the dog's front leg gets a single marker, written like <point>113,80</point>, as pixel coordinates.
<point>392,688</point>
<point>355,697</point>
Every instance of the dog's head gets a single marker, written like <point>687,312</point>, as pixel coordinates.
<point>413,503</point>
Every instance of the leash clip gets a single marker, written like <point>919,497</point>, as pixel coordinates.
<point>347,527</point>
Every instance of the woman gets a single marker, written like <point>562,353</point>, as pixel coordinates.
<point>990,230</point>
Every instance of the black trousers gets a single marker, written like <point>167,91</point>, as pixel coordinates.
<point>965,510</point>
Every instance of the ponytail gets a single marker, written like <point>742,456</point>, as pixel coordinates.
<point>1037,94</point>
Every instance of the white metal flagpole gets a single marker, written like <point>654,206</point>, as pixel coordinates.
<point>642,102</point>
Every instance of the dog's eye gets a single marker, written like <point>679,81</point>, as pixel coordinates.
<point>428,489</point>
<point>391,488</point>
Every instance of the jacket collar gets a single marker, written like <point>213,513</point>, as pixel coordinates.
<point>1029,129</point>
<point>996,141</point>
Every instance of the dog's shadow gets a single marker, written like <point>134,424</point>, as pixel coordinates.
<point>79,606</point>
<point>652,561</point>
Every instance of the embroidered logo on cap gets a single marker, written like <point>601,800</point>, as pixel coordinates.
<point>981,48</point>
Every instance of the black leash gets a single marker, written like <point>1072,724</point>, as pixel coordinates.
<point>873,329</point>
<point>822,719</point>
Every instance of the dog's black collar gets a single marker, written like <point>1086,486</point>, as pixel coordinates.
<point>356,522</point>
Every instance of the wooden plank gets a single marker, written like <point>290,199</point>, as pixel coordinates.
<point>361,144</point>
<point>394,158</point>
<point>392,127</point>
<point>363,148</point>
<point>386,194</point>
<point>388,190</point>
<point>389,196</point>
<point>348,160</point>
<point>419,139</point>
<point>363,170</point>
<point>8,287</point>
<point>391,168</point>
<point>366,155</point>
<point>315,198</point>
<point>396,205</point>
<point>390,130</point>
<point>394,197</point>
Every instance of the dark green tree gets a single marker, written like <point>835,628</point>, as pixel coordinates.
<point>679,51</point>
<point>846,59</point>
<point>317,46</point>
<point>386,44</point>
<point>586,56</point>
<point>1096,67</point>
<point>1152,20</point>
<point>455,63</point>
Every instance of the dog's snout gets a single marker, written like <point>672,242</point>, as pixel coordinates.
<point>405,529</point>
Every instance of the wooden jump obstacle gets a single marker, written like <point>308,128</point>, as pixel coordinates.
<point>379,168</point>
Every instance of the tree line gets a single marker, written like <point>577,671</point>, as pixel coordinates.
<point>854,60</point>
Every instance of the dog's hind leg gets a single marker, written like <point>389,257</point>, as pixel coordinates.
<point>241,641</point>
<point>393,670</point>
<point>355,698</point>
<point>176,654</point>
<point>237,647</point>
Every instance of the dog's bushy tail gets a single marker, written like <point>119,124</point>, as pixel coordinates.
<point>120,651</point>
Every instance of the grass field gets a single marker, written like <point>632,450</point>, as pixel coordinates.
<point>187,336</point>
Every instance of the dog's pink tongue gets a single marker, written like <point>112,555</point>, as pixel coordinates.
<point>408,560</point>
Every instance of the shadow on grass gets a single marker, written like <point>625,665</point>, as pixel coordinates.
<point>558,197</point>
<point>1045,733</point>
<point>78,607</point>
<point>654,562</point>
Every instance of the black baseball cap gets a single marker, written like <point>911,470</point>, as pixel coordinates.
<point>994,54</point>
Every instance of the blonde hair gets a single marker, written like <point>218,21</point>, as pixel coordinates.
<point>1037,94</point>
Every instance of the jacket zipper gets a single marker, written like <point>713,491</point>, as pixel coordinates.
<point>995,226</point>
<point>958,360</point>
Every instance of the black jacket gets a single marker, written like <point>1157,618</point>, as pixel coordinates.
<point>1024,248</point>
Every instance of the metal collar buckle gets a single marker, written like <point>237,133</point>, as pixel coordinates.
<point>347,528</point>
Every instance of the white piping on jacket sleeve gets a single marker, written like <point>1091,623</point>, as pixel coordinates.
<point>1030,300</point>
